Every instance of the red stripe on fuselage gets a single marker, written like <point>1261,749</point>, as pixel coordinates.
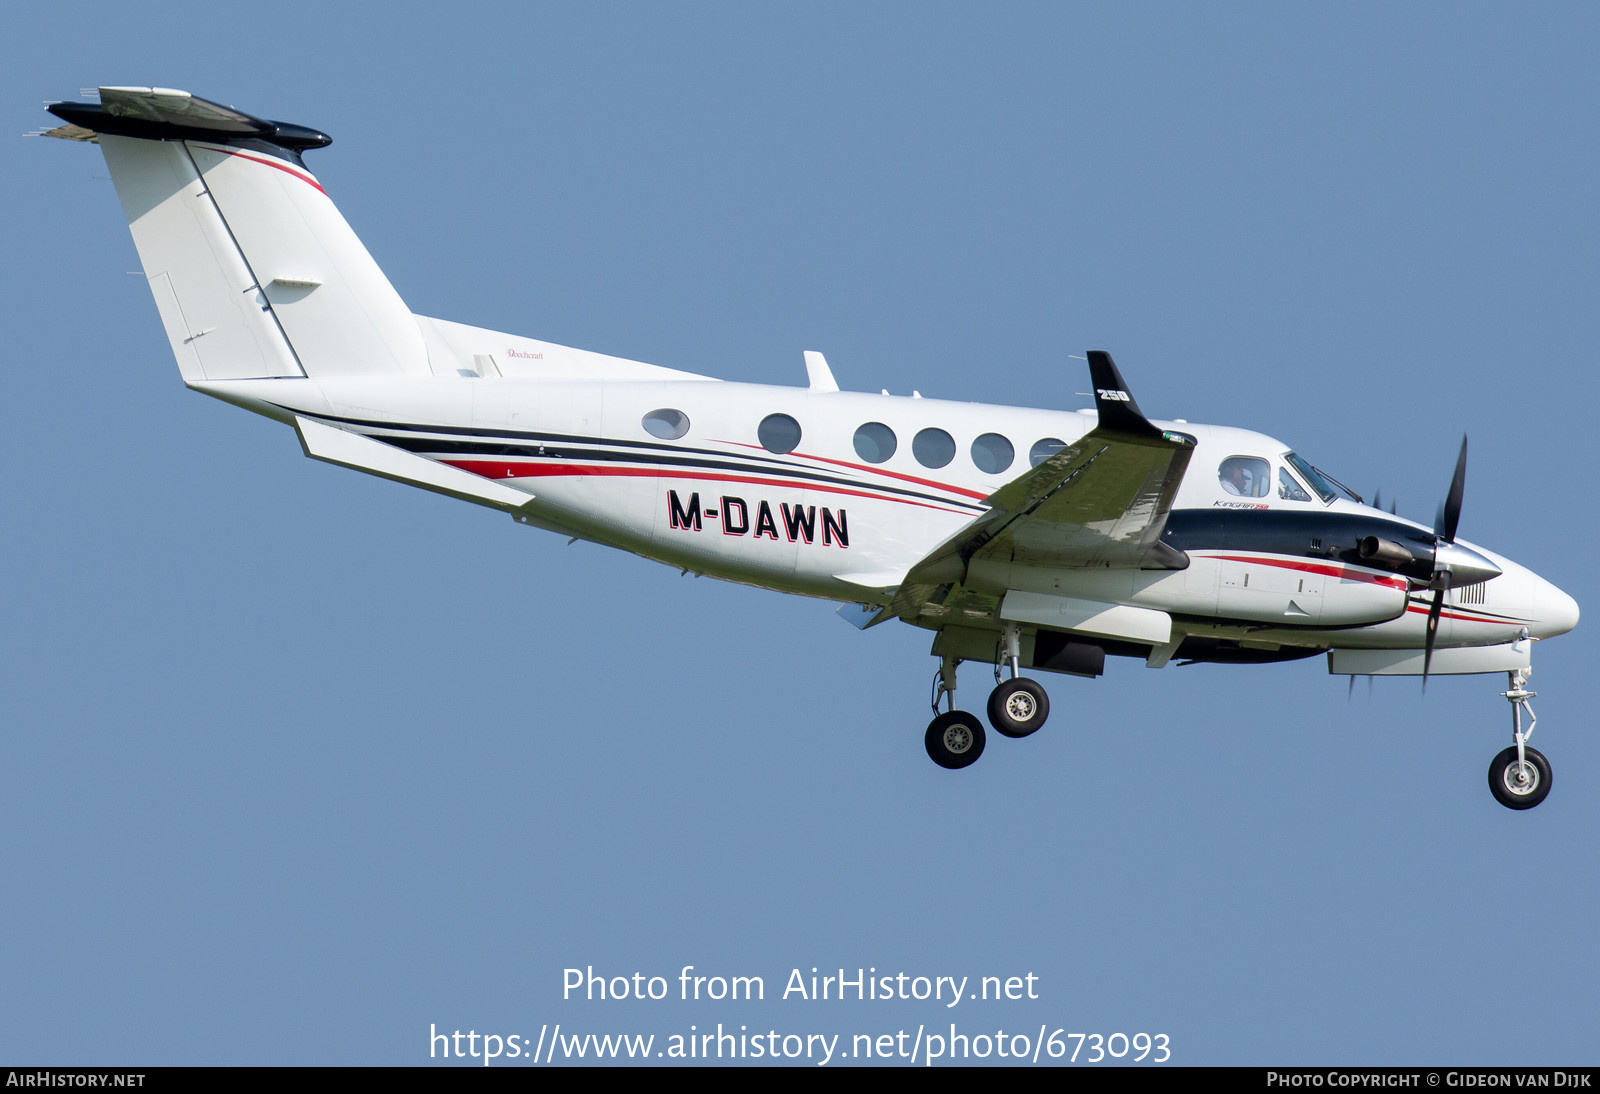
<point>937,485</point>
<point>1422,609</point>
<point>499,469</point>
<point>897,475</point>
<point>1344,573</point>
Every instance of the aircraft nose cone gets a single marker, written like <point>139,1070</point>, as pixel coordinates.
<point>1558,612</point>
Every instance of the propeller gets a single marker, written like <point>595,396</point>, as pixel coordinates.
<point>1446,557</point>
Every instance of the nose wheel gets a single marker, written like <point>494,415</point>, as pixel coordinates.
<point>1519,777</point>
<point>1519,782</point>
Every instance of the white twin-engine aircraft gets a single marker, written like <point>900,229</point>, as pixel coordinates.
<point>1025,539</point>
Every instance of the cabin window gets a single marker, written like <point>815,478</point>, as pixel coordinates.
<point>1288,489</point>
<point>1245,476</point>
<point>667,424</point>
<point>875,442</point>
<point>992,453</point>
<point>1043,450</point>
<point>933,447</point>
<point>778,433</point>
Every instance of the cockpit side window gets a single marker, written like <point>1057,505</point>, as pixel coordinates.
<point>1288,489</point>
<point>1245,476</point>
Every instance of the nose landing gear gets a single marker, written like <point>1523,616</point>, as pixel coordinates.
<point>1519,777</point>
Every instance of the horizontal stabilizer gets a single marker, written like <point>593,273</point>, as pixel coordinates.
<point>162,113</point>
<point>334,445</point>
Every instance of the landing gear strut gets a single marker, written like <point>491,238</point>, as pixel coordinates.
<point>955,738</point>
<point>1519,777</point>
<point>1018,706</point>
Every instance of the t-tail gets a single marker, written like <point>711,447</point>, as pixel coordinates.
<point>253,269</point>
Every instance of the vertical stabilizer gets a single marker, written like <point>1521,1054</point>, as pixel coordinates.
<point>254,270</point>
<point>215,316</point>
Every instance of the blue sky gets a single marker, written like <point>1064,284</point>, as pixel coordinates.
<point>301,762</point>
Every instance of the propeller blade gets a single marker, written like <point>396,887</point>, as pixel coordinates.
<point>1377,499</point>
<point>1450,509</point>
<point>1433,633</point>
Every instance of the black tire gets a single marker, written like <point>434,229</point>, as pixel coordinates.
<point>954,740</point>
<point>1530,790</point>
<point>1018,707</point>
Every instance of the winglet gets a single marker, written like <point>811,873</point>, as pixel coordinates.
<point>818,374</point>
<point>1117,409</point>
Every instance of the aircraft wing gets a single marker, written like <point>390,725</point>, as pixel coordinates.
<point>1101,502</point>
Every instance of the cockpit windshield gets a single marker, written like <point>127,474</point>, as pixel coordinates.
<point>1326,486</point>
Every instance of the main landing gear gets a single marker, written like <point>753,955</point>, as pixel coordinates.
<point>1017,707</point>
<point>1519,777</point>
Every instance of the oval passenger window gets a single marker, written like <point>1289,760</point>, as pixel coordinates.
<point>778,433</point>
<point>933,447</point>
<point>875,442</point>
<point>667,424</point>
<point>992,453</point>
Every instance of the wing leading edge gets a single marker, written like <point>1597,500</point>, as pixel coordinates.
<point>1100,502</point>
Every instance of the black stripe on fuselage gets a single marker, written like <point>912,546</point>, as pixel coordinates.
<point>1316,535</point>
<point>480,448</point>
<point>440,440</point>
<point>525,435</point>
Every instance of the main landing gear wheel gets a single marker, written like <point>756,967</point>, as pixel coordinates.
<point>1519,785</point>
<point>1018,707</point>
<point>954,739</point>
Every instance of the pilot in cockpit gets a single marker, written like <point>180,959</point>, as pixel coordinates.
<point>1244,476</point>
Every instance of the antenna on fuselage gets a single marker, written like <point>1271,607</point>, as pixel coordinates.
<point>818,375</point>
